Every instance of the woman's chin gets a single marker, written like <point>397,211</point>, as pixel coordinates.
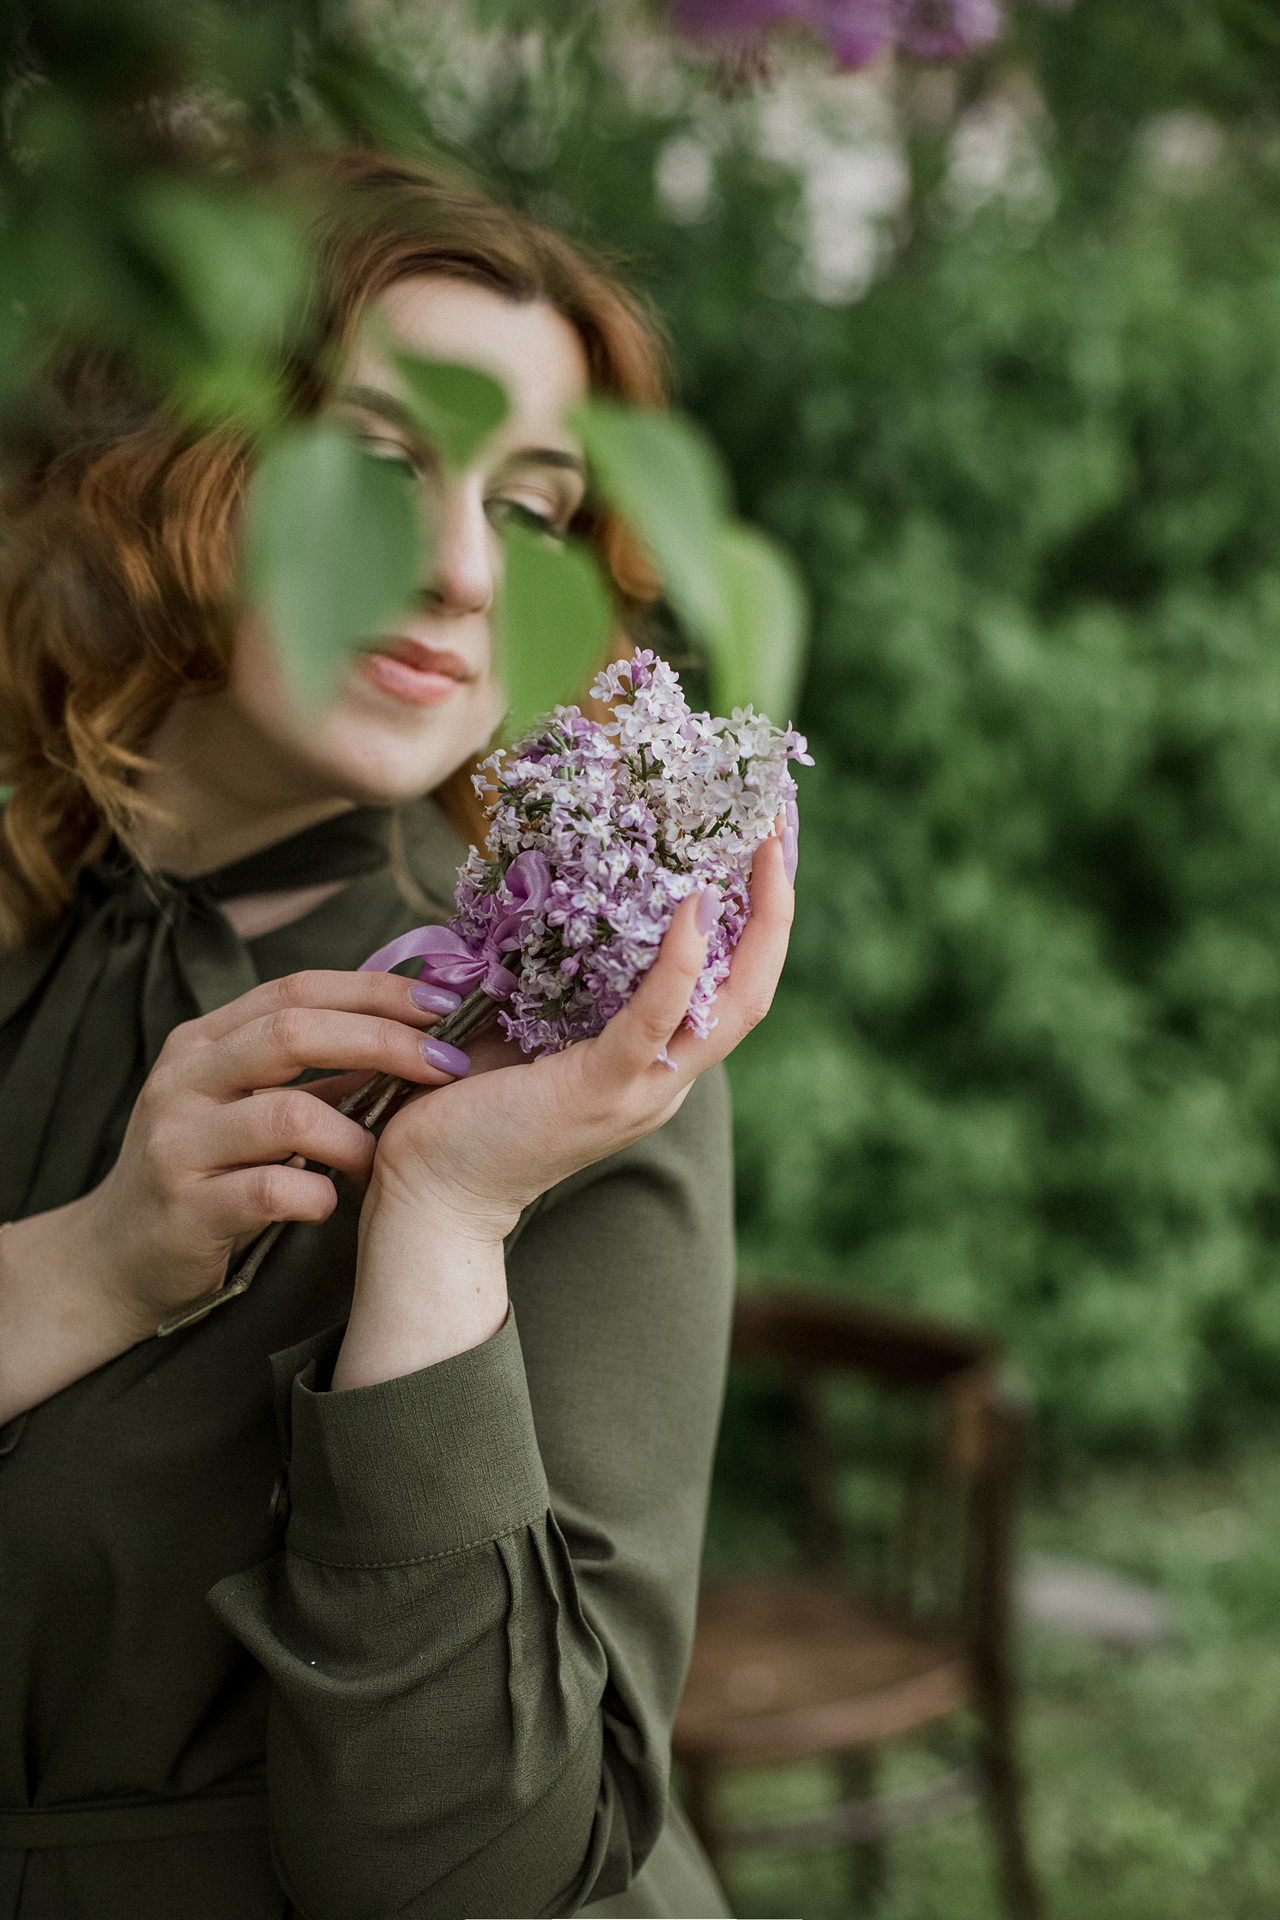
<point>377,760</point>
<point>394,732</point>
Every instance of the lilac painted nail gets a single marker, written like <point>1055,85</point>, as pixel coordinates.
<point>434,999</point>
<point>790,854</point>
<point>710,907</point>
<point>793,817</point>
<point>438,1053</point>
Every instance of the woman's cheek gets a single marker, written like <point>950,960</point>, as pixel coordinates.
<point>493,707</point>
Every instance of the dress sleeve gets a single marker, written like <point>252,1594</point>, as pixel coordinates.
<point>478,1628</point>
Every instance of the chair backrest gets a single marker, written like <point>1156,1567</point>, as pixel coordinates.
<point>904,1448</point>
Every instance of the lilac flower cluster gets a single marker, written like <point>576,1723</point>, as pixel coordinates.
<point>600,830</point>
<point>858,30</point>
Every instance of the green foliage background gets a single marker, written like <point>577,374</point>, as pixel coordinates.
<point>1025,1065</point>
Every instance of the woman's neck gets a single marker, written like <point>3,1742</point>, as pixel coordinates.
<point>216,793</point>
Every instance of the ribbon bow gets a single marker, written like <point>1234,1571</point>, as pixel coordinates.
<point>450,962</point>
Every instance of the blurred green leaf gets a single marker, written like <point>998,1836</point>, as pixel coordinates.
<point>663,476</point>
<point>761,651</point>
<point>49,128</point>
<point>556,617</point>
<point>731,586</point>
<point>250,56</point>
<point>369,100</point>
<point>239,264</point>
<point>529,16</point>
<point>332,551</point>
<point>457,407</point>
<point>212,391</point>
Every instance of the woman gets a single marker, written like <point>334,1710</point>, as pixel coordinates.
<point>353,1599</point>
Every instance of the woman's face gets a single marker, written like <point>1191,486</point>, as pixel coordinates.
<point>418,702</point>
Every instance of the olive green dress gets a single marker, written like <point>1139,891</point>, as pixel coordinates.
<point>408,1650</point>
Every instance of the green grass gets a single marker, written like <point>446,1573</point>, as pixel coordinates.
<point>1154,1777</point>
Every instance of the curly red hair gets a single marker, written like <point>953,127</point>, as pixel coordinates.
<point>118,568</point>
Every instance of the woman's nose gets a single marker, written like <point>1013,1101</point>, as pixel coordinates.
<point>461,554</point>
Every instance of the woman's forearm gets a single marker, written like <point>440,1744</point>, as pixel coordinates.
<point>427,1288</point>
<point>429,1285</point>
<point>60,1316</point>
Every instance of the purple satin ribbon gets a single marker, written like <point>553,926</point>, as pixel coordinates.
<point>526,884</point>
<point>448,962</point>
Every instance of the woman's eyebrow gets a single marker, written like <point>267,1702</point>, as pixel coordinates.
<point>549,457</point>
<point>374,400</point>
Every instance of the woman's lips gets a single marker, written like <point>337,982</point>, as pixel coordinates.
<point>411,671</point>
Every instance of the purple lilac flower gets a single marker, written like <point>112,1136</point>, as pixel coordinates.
<point>599,831</point>
<point>858,30</point>
<point>946,29</point>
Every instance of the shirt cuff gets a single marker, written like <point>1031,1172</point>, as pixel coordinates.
<point>432,1463</point>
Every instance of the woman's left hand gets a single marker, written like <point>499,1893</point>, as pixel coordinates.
<point>454,1171</point>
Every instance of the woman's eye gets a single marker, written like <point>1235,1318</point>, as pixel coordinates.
<point>513,513</point>
<point>392,452</point>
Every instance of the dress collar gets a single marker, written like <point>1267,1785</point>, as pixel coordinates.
<point>340,848</point>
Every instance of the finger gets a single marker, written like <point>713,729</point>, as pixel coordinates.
<point>335,1087</point>
<point>276,1126</point>
<point>243,1240</point>
<point>278,1046</point>
<point>746,996</point>
<point>253,1197</point>
<point>633,1039</point>
<point>381,995</point>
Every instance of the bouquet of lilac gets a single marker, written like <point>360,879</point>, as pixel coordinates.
<point>600,829</point>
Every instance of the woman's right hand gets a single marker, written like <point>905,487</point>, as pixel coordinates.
<point>205,1163</point>
<point>205,1166</point>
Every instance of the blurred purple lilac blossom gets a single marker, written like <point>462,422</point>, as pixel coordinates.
<point>858,30</point>
<point>600,830</point>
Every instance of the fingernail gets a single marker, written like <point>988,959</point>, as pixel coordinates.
<point>438,1053</point>
<point>793,817</point>
<point>790,853</point>
<point>710,907</point>
<point>434,999</point>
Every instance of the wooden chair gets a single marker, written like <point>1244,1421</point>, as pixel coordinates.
<point>897,1614</point>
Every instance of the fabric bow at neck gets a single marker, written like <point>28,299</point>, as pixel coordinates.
<point>85,1012</point>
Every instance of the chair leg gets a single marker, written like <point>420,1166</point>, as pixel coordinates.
<point>1003,1795</point>
<point>856,1771</point>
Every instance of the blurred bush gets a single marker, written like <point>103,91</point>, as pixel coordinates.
<point>1025,1066</point>
<point>997,351</point>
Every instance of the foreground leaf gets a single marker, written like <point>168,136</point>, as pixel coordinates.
<point>457,407</point>
<point>239,264</point>
<point>332,551</point>
<point>663,477</point>
<point>556,618</point>
<point>760,652</point>
<point>730,586</point>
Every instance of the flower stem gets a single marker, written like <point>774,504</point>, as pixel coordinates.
<point>372,1103</point>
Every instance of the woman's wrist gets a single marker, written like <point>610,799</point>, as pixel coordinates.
<point>412,1197</point>
<point>62,1310</point>
<point>430,1283</point>
<point>137,1281</point>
